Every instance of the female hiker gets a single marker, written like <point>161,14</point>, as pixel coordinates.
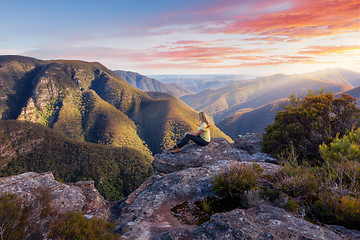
<point>201,137</point>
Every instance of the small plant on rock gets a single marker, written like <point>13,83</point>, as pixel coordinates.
<point>296,181</point>
<point>238,179</point>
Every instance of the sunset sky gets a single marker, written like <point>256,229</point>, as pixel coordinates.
<point>256,37</point>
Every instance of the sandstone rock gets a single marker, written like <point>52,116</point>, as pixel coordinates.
<point>346,233</point>
<point>252,144</point>
<point>146,214</point>
<point>64,197</point>
<point>262,222</point>
<point>192,155</point>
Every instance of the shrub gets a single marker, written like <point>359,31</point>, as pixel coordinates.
<point>343,211</point>
<point>306,123</point>
<point>74,226</point>
<point>342,161</point>
<point>292,206</point>
<point>12,217</point>
<point>238,179</point>
<point>297,181</point>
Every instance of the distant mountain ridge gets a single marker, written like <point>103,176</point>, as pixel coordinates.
<point>338,75</point>
<point>223,102</point>
<point>198,83</point>
<point>150,84</point>
<point>243,122</point>
<point>251,121</point>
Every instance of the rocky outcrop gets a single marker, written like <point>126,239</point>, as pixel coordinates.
<point>217,150</point>
<point>262,222</point>
<point>63,197</point>
<point>186,178</point>
<point>146,213</point>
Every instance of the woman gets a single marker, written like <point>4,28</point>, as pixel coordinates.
<point>201,137</point>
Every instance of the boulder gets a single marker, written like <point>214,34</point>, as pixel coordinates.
<point>63,197</point>
<point>252,144</point>
<point>262,222</point>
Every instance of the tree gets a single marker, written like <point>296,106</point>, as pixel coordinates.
<point>310,121</point>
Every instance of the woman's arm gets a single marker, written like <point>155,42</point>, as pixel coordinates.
<point>195,133</point>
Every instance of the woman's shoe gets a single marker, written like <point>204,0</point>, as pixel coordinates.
<point>177,149</point>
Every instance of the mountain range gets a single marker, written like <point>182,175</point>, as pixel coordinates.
<point>235,100</point>
<point>86,101</point>
<point>150,84</point>
<point>247,95</point>
<point>198,83</point>
<point>243,122</point>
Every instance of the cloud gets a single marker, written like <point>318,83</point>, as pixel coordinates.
<point>245,62</point>
<point>305,19</point>
<point>11,52</point>
<point>201,51</point>
<point>329,49</point>
<point>90,53</point>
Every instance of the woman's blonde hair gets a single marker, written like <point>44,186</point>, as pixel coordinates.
<point>204,118</point>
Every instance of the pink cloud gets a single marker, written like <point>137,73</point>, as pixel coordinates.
<point>306,18</point>
<point>198,52</point>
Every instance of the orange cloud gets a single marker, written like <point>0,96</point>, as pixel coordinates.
<point>307,18</point>
<point>328,49</point>
<point>247,61</point>
<point>195,52</point>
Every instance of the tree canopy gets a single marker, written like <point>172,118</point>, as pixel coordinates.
<point>310,121</point>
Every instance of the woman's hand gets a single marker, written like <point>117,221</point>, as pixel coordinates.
<point>191,133</point>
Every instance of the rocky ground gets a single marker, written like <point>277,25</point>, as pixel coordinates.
<point>184,177</point>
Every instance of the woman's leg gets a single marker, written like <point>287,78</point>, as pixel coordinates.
<point>196,139</point>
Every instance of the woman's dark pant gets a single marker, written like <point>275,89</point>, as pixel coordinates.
<point>196,139</point>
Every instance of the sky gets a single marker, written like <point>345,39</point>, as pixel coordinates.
<point>154,37</point>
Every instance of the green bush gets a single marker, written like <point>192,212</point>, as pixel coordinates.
<point>306,123</point>
<point>74,226</point>
<point>238,179</point>
<point>332,210</point>
<point>342,161</point>
<point>292,206</point>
